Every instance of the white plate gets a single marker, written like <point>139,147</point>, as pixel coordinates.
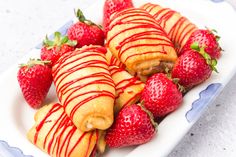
<point>16,117</point>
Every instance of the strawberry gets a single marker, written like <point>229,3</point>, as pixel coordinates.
<point>35,79</point>
<point>193,67</point>
<point>53,49</point>
<point>160,95</point>
<point>133,125</point>
<point>85,32</point>
<point>112,6</point>
<point>207,39</point>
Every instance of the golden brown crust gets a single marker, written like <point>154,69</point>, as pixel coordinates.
<point>138,41</point>
<point>128,88</point>
<point>177,27</point>
<point>55,134</point>
<point>85,88</point>
<point>113,61</point>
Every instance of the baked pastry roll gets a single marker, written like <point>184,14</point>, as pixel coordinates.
<point>139,42</point>
<point>113,61</point>
<point>128,88</point>
<point>178,27</point>
<point>85,88</point>
<point>55,134</point>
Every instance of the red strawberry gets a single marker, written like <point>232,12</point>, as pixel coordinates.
<point>112,6</point>
<point>160,95</point>
<point>193,67</point>
<point>35,79</point>
<point>53,49</point>
<point>133,125</point>
<point>206,39</point>
<point>85,32</point>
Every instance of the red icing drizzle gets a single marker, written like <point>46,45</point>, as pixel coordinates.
<point>179,32</point>
<point>114,61</point>
<point>102,76</point>
<point>140,19</point>
<point>63,124</point>
<point>124,84</point>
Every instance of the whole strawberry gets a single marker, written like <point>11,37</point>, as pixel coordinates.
<point>112,6</point>
<point>193,67</point>
<point>53,49</point>
<point>160,95</point>
<point>85,32</point>
<point>133,126</point>
<point>207,39</point>
<point>35,79</point>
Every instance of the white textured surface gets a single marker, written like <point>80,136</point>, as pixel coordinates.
<point>24,23</point>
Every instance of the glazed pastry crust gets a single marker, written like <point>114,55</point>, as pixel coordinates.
<point>177,27</point>
<point>139,42</point>
<point>113,61</point>
<point>85,88</point>
<point>55,134</point>
<point>128,88</point>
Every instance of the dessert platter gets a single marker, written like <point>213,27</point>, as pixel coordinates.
<point>130,81</point>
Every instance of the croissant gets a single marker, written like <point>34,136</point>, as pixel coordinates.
<point>138,41</point>
<point>85,88</point>
<point>55,134</point>
<point>178,27</point>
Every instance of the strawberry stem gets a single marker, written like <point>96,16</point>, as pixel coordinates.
<point>79,14</point>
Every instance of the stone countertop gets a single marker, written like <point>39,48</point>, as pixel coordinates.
<point>24,23</point>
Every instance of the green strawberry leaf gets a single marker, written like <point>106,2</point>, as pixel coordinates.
<point>214,31</point>
<point>64,39</point>
<point>214,62</point>
<point>33,62</point>
<point>58,41</point>
<point>80,15</point>
<point>217,38</point>
<point>100,26</point>
<point>181,88</point>
<point>47,42</point>
<point>195,46</point>
<point>213,65</point>
<point>71,43</point>
<point>211,62</point>
<point>175,80</point>
<point>81,18</point>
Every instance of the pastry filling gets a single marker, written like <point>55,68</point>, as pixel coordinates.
<point>96,121</point>
<point>154,66</point>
